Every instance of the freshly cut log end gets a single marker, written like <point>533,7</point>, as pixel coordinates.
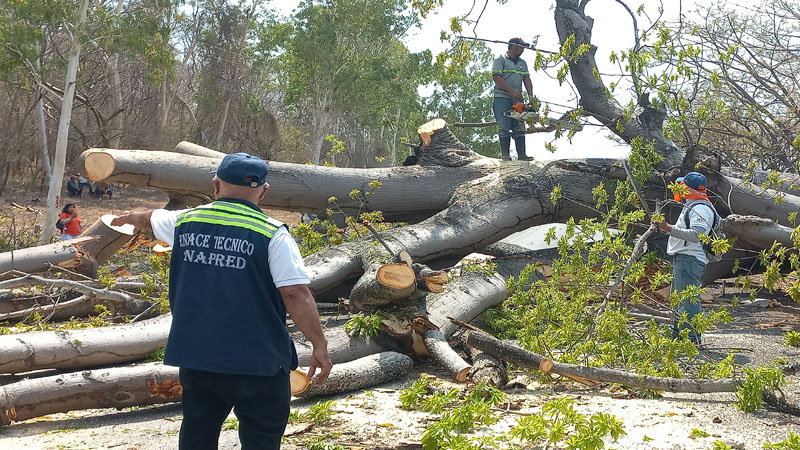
<point>426,130</point>
<point>362,373</point>
<point>396,275</point>
<point>98,165</point>
<point>546,365</point>
<point>299,381</point>
<point>439,348</point>
<point>435,288</point>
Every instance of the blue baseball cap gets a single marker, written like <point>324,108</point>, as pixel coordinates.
<point>242,169</point>
<point>694,180</point>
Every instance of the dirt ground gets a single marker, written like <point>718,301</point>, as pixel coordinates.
<point>373,419</point>
<point>24,210</point>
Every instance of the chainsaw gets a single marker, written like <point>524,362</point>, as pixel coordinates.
<point>521,111</point>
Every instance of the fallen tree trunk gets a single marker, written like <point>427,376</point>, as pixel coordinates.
<point>518,356</point>
<point>75,349</point>
<point>464,299</point>
<point>119,387</point>
<point>441,351</point>
<point>154,383</point>
<point>294,187</point>
<point>343,348</point>
<point>68,254</point>
<point>362,373</point>
<point>758,231</point>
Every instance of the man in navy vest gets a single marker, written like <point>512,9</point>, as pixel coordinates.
<point>234,274</point>
<point>509,73</point>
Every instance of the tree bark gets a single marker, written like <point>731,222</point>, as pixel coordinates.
<point>464,299</point>
<point>120,387</point>
<point>485,368</point>
<point>75,349</point>
<point>293,187</point>
<point>758,231</point>
<point>523,358</point>
<point>188,148</point>
<point>67,254</point>
<point>441,351</point>
<point>362,373</point>
<point>43,136</point>
<point>54,190</point>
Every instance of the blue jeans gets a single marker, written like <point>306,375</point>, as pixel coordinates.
<point>506,126</point>
<point>260,403</point>
<point>686,271</point>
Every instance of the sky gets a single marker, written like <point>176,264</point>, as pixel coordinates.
<point>613,30</point>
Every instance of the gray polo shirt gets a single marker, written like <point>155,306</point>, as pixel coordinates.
<point>512,73</point>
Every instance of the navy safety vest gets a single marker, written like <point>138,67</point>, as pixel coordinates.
<point>228,316</point>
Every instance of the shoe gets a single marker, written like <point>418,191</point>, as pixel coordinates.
<point>505,148</point>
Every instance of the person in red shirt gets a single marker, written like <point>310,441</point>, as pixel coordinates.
<point>72,223</point>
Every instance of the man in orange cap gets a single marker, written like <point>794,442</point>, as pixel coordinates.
<point>697,217</point>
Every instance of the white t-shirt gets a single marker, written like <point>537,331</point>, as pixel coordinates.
<point>285,263</point>
<point>701,218</point>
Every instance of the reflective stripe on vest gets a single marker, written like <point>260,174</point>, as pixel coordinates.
<point>218,214</point>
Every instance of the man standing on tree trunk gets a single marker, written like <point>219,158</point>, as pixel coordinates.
<point>510,72</point>
<point>697,217</point>
<point>234,274</point>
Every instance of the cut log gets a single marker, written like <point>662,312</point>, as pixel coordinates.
<point>120,387</point>
<point>441,147</point>
<point>68,254</point>
<point>757,231</point>
<point>518,356</point>
<point>485,367</point>
<point>293,187</point>
<point>381,284</point>
<point>395,276</point>
<point>362,373</point>
<point>441,351</point>
<point>465,298</point>
<point>343,348</point>
<point>75,349</point>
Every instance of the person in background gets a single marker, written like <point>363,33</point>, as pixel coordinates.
<point>83,182</point>
<point>234,275</point>
<point>101,188</point>
<point>510,72</point>
<point>70,221</point>
<point>73,188</point>
<point>685,247</point>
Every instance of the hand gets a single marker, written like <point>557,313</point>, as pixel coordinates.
<point>74,215</point>
<point>322,361</point>
<point>664,226</point>
<point>121,220</point>
<point>516,94</point>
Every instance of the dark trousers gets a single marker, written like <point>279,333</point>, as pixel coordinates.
<point>260,403</point>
